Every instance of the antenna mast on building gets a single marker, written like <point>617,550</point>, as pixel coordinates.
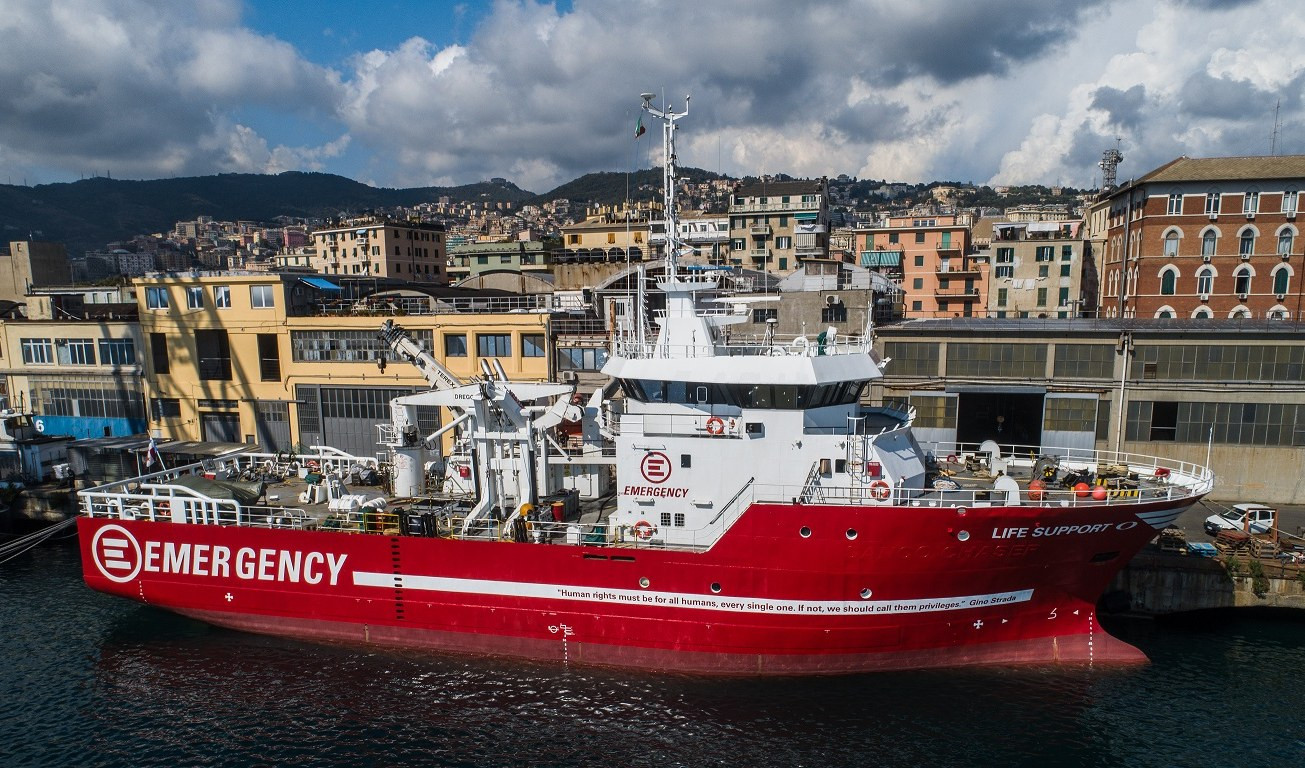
<point>1110,160</point>
<point>1273,140</point>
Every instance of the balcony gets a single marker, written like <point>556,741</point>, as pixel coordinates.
<point>960,270</point>
<point>759,230</point>
<point>948,248</point>
<point>777,207</point>
<point>959,294</point>
<point>759,254</point>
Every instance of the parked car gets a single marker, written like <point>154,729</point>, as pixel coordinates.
<point>1251,518</point>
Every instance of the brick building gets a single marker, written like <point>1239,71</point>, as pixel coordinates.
<point>1206,237</point>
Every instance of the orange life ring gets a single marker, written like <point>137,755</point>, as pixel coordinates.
<point>951,458</point>
<point>643,530</point>
<point>715,425</point>
<point>880,490</point>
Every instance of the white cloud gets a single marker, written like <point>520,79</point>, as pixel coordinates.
<point>1019,91</point>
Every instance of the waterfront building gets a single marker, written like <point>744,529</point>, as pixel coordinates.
<point>777,225</point>
<point>278,360</point>
<point>1037,269</point>
<point>375,247</point>
<point>940,274</point>
<point>74,366</point>
<point>1207,238</point>
<point>1220,393</point>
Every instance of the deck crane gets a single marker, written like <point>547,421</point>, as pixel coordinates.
<point>506,431</point>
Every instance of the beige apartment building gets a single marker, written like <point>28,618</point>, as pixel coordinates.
<point>1037,270</point>
<point>776,226</point>
<point>412,251</point>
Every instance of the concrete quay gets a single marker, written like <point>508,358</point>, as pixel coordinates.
<point>1158,583</point>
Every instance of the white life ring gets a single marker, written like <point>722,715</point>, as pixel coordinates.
<point>800,345</point>
<point>715,425</point>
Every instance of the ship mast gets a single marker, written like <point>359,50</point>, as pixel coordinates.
<point>668,116</point>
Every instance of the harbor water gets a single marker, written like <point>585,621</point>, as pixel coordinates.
<point>91,680</point>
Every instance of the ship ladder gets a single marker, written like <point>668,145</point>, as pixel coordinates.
<point>811,490</point>
<point>858,447</point>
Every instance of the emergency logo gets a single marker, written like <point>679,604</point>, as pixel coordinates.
<point>116,553</point>
<point>656,468</point>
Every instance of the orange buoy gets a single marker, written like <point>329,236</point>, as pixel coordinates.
<point>1100,493</point>
<point>1082,490</point>
<point>1036,487</point>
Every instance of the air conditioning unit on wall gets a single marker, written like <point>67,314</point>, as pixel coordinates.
<point>1206,258</point>
<point>1205,297</point>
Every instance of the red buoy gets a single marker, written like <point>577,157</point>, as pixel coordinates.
<point>1100,493</point>
<point>1082,490</point>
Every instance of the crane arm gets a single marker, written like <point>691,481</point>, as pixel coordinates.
<point>402,344</point>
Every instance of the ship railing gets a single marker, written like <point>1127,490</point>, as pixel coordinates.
<point>1155,471</point>
<point>530,531</point>
<point>797,346</point>
<point>706,425</point>
<point>156,497</point>
<point>902,496</point>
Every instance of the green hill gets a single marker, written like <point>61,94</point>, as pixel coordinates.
<point>87,214</point>
<point>609,187</point>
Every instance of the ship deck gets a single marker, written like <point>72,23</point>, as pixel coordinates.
<point>290,492</point>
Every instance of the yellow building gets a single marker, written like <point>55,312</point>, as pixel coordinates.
<point>273,359</point>
<point>611,235</point>
<point>74,366</point>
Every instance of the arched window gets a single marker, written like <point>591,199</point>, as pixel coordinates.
<point>1278,313</point>
<point>1205,280</point>
<point>1208,241</point>
<point>1246,244</point>
<point>1239,313</point>
<point>1242,280</point>
<point>1202,312</point>
<point>1168,282</point>
<point>1164,313</point>
<point>1281,280</point>
<point>1286,239</point>
<point>1171,244</point>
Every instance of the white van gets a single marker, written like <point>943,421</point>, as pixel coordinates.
<point>1251,518</point>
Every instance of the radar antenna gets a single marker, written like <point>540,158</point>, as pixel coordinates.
<point>668,117</point>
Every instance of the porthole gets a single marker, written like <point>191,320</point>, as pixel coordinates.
<point>715,588</point>
<point>643,582</point>
<point>865,593</point>
<point>804,532</point>
<point>963,535</point>
<point>851,534</point>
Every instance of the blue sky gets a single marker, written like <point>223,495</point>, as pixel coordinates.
<point>440,93</point>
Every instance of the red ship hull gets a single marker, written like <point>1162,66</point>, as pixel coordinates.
<point>869,588</point>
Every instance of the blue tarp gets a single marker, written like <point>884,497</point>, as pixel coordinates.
<point>320,283</point>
